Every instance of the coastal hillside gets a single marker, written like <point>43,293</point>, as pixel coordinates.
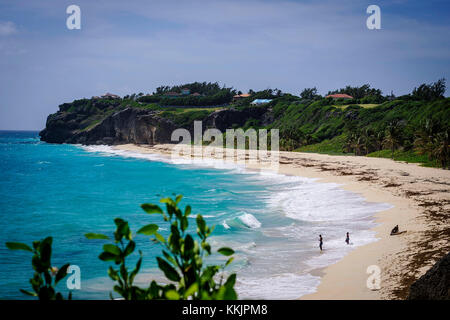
<point>351,120</point>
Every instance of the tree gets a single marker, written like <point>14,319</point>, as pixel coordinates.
<point>433,140</point>
<point>429,92</point>
<point>358,145</point>
<point>393,136</point>
<point>309,93</point>
<point>368,140</point>
<point>349,142</point>
<point>292,138</point>
<point>441,148</point>
<point>360,92</point>
<point>378,140</point>
<point>425,136</point>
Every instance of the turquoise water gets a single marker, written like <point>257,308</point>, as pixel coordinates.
<point>272,221</point>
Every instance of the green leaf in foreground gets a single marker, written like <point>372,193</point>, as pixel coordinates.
<point>28,293</point>
<point>148,230</point>
<point>191,290</point>
<point>172,295</point>
<point>151,208</point>
<point>18,246</point>
<point>107,256</point>
<point>226,251</point>
<point>111,249</point>
<point>96,236</point>
<point>62,272</point>
<point>168,270</point>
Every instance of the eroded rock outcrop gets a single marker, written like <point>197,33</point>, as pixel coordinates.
<point>139,126</point>
<point>232,118</point>
<point>126,126</point>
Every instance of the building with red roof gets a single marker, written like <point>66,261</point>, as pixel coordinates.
<point>339,96</point>
<point>241,96</point>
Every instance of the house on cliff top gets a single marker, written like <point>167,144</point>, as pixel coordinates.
<point>110,96</point>
<point>241,96</point>
<point>258,102</point>
<point>339,96</point>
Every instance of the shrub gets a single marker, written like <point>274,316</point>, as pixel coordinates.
<point>45,276</point>
<point>182,261</point>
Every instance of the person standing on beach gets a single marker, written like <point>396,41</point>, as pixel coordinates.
<point>347,239</point>
<point>320,242</point>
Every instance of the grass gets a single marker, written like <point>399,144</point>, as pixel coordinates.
<point>183,110</point>
<point>185,119</point>
<point>334,147</point>
<point>150,106</point>
<point>409,156</point>
<point>329,146</point>
<point>365,106</point>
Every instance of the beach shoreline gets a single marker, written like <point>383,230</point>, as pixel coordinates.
<point>420,201</point>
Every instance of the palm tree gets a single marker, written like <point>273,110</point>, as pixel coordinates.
<point>379,140</point>
<point>292,138</point>
<point>358,145</point>
<point>308,138</point>
<point>441,148</point>
<point>368,138</point>
<point>425,136</point>
<point>348,146</point>
<point>393,136</point>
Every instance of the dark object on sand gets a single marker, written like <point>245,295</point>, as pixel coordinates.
<point>395,230</point>
<point>434,284</point>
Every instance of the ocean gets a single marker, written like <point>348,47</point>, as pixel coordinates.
<point>272,221</point>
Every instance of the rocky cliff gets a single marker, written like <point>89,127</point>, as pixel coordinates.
<point>134,125</point>
<point>434,284</point>
<point>125,126</point>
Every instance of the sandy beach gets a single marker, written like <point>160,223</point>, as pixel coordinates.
<point>421,206</point>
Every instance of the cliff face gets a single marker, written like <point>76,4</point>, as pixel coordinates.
<point>139,126</point>
<point>125,126</point>
<point>434,284</point>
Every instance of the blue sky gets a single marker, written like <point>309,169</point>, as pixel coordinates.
<point>134,46</point>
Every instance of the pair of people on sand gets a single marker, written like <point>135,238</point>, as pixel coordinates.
<point>347,240</point>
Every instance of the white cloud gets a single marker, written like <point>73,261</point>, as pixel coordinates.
<point>7,28</point>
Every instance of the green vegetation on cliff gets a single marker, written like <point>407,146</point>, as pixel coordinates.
<point>190,94</point>
<point>413,128</point>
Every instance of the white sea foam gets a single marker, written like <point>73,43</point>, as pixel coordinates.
<point>106,150</point>
<point>249,220</point>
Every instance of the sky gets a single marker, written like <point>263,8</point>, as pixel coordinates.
<point>126,47</point>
